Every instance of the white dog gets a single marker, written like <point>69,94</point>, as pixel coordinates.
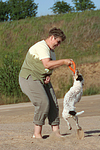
<point>71,98</point>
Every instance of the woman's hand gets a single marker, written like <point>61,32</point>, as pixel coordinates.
<point>68,62</point>
<point>47,80</point>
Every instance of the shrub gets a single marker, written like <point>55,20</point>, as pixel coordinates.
<point>64,87</point>
<point>9,75</point>
<point>91,91</point>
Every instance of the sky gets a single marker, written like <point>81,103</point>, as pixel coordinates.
<point>44,6</point>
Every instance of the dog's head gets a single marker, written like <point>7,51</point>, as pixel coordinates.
<point>78,77</point>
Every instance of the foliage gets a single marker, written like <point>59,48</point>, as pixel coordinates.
<point>93,90</point>
<point>9,75</point>
<point>20,9</point>
<point>17,9</point>
<point>3,11</point>
<point>82,5</point>
<point>61,7</point>
<point>64,87</point>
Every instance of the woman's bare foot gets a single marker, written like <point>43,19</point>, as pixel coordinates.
<point>37,131</point>
<point>56,130</point>
<point>57,133</point>
<point>37,136</point>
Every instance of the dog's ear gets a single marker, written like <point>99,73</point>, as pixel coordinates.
<point>79,78</point>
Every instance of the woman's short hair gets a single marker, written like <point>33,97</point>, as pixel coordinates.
<point>56,32</point>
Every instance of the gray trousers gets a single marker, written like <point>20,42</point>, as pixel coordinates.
<point>43,98</point>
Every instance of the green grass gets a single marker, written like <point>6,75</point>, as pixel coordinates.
<point>93,90</point>
<point>63,87</point>
<point>82,30</point>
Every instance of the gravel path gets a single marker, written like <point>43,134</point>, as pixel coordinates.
<point>16,128</point>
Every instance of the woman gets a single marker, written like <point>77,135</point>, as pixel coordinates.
<point>34,80</point>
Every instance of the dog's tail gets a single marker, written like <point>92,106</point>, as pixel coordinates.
<point>79,113</point>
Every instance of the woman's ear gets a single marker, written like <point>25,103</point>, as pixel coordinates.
<point>52,37</point>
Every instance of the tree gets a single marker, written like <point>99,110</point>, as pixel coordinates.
<point>3,11</point>
<point>82,5</point>
<point>61,7</point>
<point>20,9</point>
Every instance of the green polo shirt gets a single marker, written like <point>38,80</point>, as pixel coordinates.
<point>33,65</point>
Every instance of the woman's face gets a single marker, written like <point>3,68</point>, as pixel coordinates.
<point>55,42</point>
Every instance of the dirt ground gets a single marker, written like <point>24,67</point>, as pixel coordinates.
<point>90,72</point>
<point>16,128</point>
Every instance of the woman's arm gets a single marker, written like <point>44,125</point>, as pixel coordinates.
<point>51,64</point>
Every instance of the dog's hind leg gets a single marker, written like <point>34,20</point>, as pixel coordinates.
<point>69,126</point>
<point>76,120</point>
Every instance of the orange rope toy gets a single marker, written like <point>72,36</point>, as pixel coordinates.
<point>74,67</point>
